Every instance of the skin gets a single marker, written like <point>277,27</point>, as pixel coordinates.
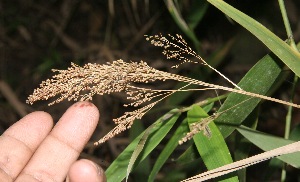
<point>33,150</point>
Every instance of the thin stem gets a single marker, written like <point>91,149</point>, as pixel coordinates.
<point>289,114</point>
<point>287,24</point>
<point>243,92</point>
<point>290,108</point>
<point>185,90</point>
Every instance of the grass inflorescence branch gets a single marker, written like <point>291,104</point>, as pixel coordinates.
<point>81,83</point>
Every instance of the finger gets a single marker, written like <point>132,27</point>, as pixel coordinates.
<point>85,170</point>
<point>62,146</point>
<point>18,143</point>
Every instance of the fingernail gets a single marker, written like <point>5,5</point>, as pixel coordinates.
<point>99,170</point>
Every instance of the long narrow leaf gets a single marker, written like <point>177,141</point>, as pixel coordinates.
<point>281,49</point>
<point>181,22</point>
<point>213,150</point>
<point>117,170</point>
<point>259,79</point>
<point>138,149</point>
<point>169,148</point>
<point>143,169</point>
<point>285,150</point>
<point>269,142</point>
<point>242,145</point>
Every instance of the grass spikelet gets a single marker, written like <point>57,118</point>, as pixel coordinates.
<point>81,83</point>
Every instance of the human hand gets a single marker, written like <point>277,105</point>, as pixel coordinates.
<point>31,151</point>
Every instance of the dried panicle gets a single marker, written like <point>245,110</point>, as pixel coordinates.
<point>81,83</point>
<point>106,79</point>
<point>125,121</point>
<point>176,48</point>
<point>140,95</point>
<point>95,79</point>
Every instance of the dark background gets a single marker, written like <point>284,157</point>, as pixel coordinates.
<point>37,36</point>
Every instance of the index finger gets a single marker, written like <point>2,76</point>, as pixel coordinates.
<point>63,145</point>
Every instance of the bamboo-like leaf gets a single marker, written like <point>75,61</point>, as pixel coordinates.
<point>181,22</point>
<point>229,168</point>
<point>268,142</point>
<point>242,145</point>
<point>259,79</point>
<point>281,49</point>
<point>213,150</point>
<point>295,133</point>
<point>143,169</point>
<point>138,149</point>
<point>168,149</point>
<point>117,170</point>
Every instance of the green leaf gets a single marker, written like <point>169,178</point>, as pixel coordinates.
<point>181,22</point>
<point>281,49</point>
<point>260,79</point>
<point>175,175</point>
<point>242,145</point>
<point>138,149</point>
<point>169,148</point>
<point>142,170</point>
<point>117,170</point>
<point>213,150</point>
<point>295,133</point>
<point>268,142</point>
<point>196,13</point>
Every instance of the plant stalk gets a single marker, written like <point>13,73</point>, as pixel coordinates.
<point>290,109</point>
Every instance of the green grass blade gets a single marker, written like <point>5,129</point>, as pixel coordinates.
<point>268,142</point>
<point>169,148</point>
<point>117,170</point>
<point>138,149</point>
<point>260,79</point>
<point>196,13</point>
<point>181,22</point>
<point>143,169</point>
<point>295,133</point>
<point>281,49</point>
<point>242,145</point>
<point>213,150</point>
